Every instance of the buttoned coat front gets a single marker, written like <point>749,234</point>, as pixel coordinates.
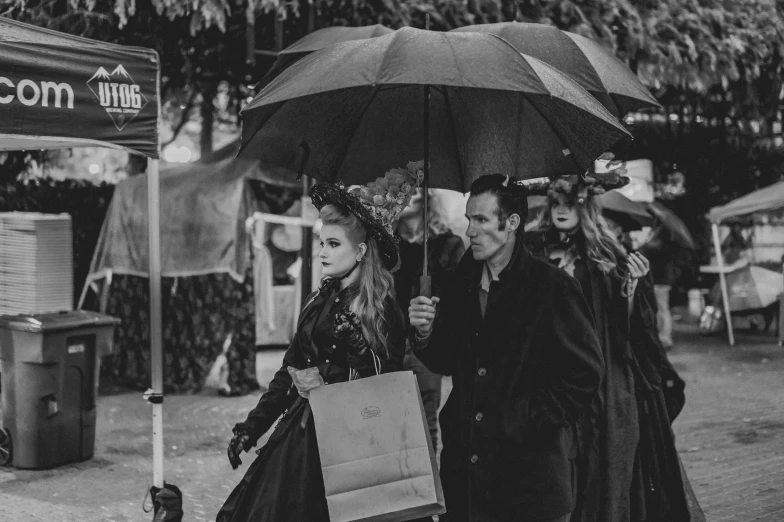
<point>522,377</point>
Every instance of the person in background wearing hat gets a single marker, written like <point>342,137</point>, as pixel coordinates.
<point>351,327</point>
<point>631,469</point>
<point>516,335</point>
<point>444,251</point>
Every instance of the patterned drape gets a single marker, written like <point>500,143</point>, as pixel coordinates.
<point>198,314</point>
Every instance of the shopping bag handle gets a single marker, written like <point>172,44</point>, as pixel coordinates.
<point>353,375</point>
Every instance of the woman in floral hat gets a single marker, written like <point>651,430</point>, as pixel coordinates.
<point>351,327</point>
<point>622,477</point>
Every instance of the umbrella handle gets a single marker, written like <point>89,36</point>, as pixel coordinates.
<point>425,289</point>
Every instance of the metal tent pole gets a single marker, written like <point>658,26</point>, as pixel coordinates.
<point>723,283</point>
<point>155,394</point>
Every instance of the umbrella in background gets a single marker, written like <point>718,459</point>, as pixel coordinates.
<point>677,228</point>
<point>316,41</point>
<point>354,110</point>
<point>630,215</point>
<point>588,63</point>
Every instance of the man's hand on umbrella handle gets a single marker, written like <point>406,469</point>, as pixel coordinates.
<point>422,313</point>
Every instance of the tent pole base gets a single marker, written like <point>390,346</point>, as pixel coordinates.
<point>157,445</point>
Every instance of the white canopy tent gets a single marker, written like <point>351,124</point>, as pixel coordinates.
<point>766,199</point>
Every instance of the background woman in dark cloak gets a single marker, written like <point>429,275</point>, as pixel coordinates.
<point>630,470</point>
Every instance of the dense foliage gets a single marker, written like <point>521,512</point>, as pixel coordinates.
<point>715,65</point>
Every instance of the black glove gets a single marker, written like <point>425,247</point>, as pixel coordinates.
<point>239,443</point>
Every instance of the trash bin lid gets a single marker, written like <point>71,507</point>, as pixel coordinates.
<point>57,321</point>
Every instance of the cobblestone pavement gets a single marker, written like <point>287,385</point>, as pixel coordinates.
<point>730,435</point>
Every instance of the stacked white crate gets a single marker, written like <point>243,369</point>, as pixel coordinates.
<point>36,263</point>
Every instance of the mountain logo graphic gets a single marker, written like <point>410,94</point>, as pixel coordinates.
<point>118,94</point>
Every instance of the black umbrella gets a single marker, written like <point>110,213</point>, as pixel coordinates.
<point>318,40</point>
<point>355,109</point>
<point>588,63</point>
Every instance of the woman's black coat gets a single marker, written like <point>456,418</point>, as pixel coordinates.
<point>522,377</point>
<point>630,467</point>
<point>284,484</point>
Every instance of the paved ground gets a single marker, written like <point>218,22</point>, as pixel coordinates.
<point>731,438</point>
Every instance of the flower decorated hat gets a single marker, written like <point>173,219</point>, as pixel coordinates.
<point>376,204</point>
<point>591,183</point>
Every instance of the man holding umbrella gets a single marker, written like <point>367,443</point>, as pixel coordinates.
<point>516,335</point>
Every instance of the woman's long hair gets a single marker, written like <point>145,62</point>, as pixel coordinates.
<point>601,245</point>
<point>375,283</point>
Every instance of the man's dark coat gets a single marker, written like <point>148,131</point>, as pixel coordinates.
<point>522,378</point>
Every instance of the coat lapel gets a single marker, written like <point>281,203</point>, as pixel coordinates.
<point>504,305</point>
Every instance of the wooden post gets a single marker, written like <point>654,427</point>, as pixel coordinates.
<point>278,33</point>
<point>250,40</point>
<point>780,325</point>
<point>311,17</point>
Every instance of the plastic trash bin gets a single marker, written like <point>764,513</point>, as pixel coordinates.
<point>50,365</point>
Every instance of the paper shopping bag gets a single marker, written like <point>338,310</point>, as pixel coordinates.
<point>377,459</point>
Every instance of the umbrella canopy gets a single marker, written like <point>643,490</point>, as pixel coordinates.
<point>763,200</point>
<point>318,40</point>
<point>677,228</point>
<point>322,38</point>
<point>750,288</point>
<point>58,90</point>
<point>591,65</point>
<point>630,215</point>
<point>356,109</point>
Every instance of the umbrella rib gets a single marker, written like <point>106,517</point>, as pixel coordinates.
<point>461,168</point>
<point>391,87</point>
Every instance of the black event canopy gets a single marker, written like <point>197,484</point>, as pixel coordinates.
<point>58,90</point>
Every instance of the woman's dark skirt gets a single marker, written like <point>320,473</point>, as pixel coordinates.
<point>284,483</point>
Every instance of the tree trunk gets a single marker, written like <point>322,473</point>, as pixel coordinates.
<point>530,10</point>
<point>207,117</point>
<point>634,62</point>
